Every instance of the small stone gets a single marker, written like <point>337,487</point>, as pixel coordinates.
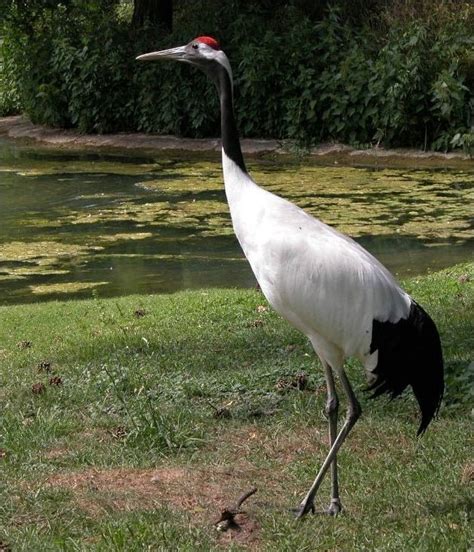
<point>222,526</point>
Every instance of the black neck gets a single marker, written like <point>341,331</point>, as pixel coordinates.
<point>230,136</point>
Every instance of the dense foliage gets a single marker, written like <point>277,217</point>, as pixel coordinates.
<point>398,80</point>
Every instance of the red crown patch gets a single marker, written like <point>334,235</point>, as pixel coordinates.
<point>212,42</point>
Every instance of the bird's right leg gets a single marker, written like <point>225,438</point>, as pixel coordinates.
<point>332,409</point>
<point>353,414</point>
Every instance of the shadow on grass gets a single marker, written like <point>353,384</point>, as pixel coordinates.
<point>464,504</point>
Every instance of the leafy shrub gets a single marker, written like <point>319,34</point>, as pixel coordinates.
<point>9,94</point>
<point>297,76</point>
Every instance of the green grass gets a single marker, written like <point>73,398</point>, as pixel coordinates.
<point>127,452</point>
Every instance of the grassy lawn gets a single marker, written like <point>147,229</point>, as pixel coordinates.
<point>128,424</point>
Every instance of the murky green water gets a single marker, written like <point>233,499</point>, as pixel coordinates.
<point>81,224</point>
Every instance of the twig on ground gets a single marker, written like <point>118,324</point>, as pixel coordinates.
<point>227,519</point>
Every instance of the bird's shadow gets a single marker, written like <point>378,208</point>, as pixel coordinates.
<point>462,504</point>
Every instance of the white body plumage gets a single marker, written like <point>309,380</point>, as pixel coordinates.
<point>321,281</point>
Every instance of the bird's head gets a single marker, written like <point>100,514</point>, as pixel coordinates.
<point>203,52</point>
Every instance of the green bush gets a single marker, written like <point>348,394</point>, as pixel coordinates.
<point>9,93</point>
<point>404,84</point>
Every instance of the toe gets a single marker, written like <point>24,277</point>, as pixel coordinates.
<point>304,509</point>
<point>335,508</point>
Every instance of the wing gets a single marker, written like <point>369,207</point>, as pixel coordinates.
<point>317,278</point>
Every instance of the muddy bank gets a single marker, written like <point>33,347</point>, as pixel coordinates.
<point>21,129</point>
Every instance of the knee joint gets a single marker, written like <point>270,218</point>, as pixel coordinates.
<point>332,405</point>
<point>353,414</point>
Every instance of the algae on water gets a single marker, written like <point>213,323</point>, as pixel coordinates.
<point>160,224</point>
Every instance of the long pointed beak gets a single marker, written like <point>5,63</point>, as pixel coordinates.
<point>178,54</point>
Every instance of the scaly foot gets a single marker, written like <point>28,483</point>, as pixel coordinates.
<point>335,508</point>
<point>304,509</point>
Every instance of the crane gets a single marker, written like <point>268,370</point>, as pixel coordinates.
<point>324,284</point>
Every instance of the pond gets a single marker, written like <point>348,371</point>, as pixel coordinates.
<point>102,224</point>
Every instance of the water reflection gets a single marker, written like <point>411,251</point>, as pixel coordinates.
<point>76,224</point>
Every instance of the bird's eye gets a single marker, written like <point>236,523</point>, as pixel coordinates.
<point>195,46</point>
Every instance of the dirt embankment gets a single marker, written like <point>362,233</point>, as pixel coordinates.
<point>21,129</point>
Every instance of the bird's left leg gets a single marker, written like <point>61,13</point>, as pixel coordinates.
<point>353,414</point>
<point>332,409</point>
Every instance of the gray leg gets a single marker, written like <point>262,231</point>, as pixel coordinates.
<point>353,414</point>
<point>332,409</point>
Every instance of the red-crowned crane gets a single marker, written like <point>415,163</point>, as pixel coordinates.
<point>324,284</point>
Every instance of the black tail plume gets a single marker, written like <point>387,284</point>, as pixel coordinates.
<point>409,353</point>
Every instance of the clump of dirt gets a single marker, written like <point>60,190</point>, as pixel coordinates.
<point>255,323</point>
<point>221,412</point>
<point>24,344</point>
<point>299,382</point>
<point>38,388</point>
<point>119,432</point>
<point>44,366</point>
<point>55,380</point>
<point>246,534</point>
